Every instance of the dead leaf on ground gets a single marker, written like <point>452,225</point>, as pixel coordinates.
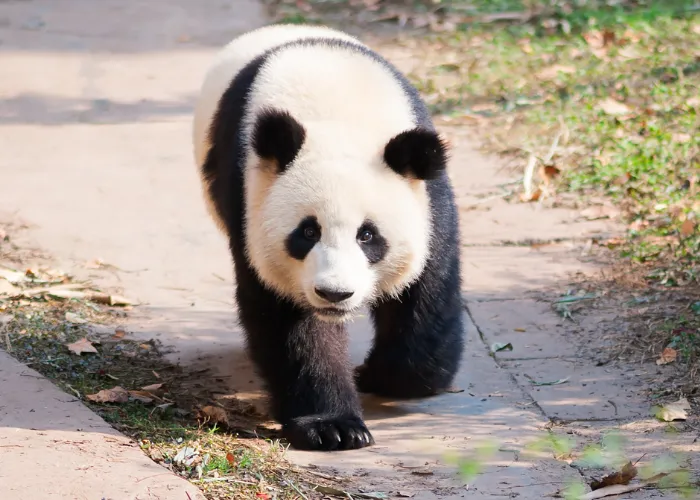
<point>668,355</point>
<point>687,228</point>
<point>624,476</point>
<point>116,394</point>
<point>215,414</point>
<point>501,346</point>
<point>549,173</point>
<point>614,107</point>
<point>669,412</point>
<point>599,41</point>
<point>618,489</point>
<point>533,196</point>
<point>74,318</point>
<point>142,396</point>
<point>80,346</point>
<point>98,297</point>
<point>119,333</point>
<point>152,387</point>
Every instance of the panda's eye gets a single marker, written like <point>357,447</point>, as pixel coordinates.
<point>366,236</point>
<point>310,233</point>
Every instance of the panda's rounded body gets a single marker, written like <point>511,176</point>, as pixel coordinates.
<point>320,163</point>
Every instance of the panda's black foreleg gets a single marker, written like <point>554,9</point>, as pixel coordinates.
<point>305,365</point>
<point>418,337</point>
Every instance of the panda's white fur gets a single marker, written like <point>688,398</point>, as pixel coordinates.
<point>350,106</point>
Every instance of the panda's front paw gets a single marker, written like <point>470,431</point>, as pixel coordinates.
<point>327,433</point>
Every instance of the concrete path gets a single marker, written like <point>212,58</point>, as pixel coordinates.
<point>95,157</point>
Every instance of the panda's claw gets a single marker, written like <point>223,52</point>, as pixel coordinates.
<point>328,433</point>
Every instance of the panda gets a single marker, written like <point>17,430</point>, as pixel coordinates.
<point>320,164</point>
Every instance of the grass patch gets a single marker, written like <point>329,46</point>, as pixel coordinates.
<point>221,444</point>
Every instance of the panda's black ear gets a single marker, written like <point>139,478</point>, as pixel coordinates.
<point>277,136</point>
<point>417,153</point>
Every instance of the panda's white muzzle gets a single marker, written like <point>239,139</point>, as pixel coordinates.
<point>339,279</point>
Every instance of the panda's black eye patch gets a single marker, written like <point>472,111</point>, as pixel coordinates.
<point>300,241</point>
<point>373,244</point>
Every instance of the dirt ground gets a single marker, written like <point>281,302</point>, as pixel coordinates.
<point>96,162</point>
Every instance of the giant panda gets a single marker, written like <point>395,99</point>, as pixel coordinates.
<point>321,165</point>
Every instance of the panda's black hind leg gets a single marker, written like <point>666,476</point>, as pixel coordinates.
<point>418,339</point>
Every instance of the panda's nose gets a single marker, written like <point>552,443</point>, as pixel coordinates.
<point>333,296</point>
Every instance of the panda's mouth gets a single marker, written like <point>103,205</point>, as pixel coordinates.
<point>334,314</point>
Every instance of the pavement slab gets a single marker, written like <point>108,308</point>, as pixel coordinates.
<point>589,393</point>
<point>79,455</point>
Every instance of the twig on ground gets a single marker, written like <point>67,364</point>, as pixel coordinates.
<point>227,479</point>
<point>527,176</point>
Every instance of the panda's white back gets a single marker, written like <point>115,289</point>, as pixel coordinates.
<point>232,59</point>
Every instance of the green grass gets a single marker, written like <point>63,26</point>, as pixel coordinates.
<point>647,159</point>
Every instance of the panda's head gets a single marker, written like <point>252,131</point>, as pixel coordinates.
<point>338,216</point>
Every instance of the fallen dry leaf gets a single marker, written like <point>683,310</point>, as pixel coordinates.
<point>687,228</point>
<point>143,396</point>
<point>618,489</point>
<point>119,333</point>
<point>215,414</point>
<point>80,346</point>
<point>669,412</point>
<point>533,196</point>
<point>501,346</point>
<point>599,41</point>
<point>98,297</point>
<point>74,318</point>
<point>624,476</point>
<point>549,173</point>
<point>152,387</point>
<point>668,355</point>
<point>611,106</point>
<point>114,395</point>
